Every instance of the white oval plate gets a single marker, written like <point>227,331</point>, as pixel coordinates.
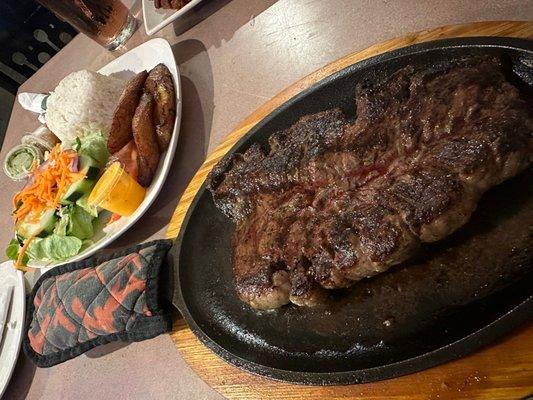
<point>156,19</point>
<point>12,337</point>
<point>143,57</point>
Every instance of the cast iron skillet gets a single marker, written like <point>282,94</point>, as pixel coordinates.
<point>452,298</point>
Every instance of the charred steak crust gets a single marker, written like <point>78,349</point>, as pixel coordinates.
<point>334,200</point>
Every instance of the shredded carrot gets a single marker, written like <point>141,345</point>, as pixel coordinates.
<point>46,186</point>
<point>22,251</point>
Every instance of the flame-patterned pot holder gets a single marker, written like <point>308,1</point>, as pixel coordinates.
<point>78,306</point>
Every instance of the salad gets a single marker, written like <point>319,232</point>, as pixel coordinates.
<point>53,220</point>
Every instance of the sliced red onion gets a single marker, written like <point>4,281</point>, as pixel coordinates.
<point>73,166</point>
<point>43,166</point>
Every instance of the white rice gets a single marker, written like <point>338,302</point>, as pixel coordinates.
<point>83,101</point>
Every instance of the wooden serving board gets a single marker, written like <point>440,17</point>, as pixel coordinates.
<point>503,370</point>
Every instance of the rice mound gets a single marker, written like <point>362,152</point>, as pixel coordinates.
<point>83,101</point>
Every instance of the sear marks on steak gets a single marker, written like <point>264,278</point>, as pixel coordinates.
<point>335,201</point>
<point>292,151</point>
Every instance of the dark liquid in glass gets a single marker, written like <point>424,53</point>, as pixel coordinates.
<point>101,20</point>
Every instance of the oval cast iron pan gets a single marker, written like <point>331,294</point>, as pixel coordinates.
<point>454,297</point>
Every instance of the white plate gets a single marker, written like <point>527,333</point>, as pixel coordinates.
<point>156,19</point>
<point>144,57</point>
<point>12,337</point>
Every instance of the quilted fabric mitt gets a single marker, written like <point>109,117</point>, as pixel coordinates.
<point>81,305</point>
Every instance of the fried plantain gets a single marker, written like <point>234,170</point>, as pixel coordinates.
<point>160,85</point>
<point>145,139</point>
<point>120,133</point>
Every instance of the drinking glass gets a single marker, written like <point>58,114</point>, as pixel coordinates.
<point>108,22</point>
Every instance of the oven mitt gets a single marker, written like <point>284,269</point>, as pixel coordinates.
<point>78,306</point>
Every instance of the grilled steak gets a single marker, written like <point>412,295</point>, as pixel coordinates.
<point>336,200</point>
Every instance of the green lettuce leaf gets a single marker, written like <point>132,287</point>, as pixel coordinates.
<point>94,144</point>
<point>74,221</point>
<point>86,243</point>
<point>12,249</point>
<point>62,224</point>
<point>80,223</point>
<point>54,248</point>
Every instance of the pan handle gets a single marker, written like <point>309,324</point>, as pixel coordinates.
<point>169,280</point>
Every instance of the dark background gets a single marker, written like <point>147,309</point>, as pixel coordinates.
<point>19,20</point>
<point>21,53</point>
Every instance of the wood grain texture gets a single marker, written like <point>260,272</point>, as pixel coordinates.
<point>501,371</point>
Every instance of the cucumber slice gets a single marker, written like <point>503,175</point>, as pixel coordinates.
<point>90,166</point>
<point>77,190</point>
<point>84,203</point>
<point>44,226</point>
<point>91,173</point>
